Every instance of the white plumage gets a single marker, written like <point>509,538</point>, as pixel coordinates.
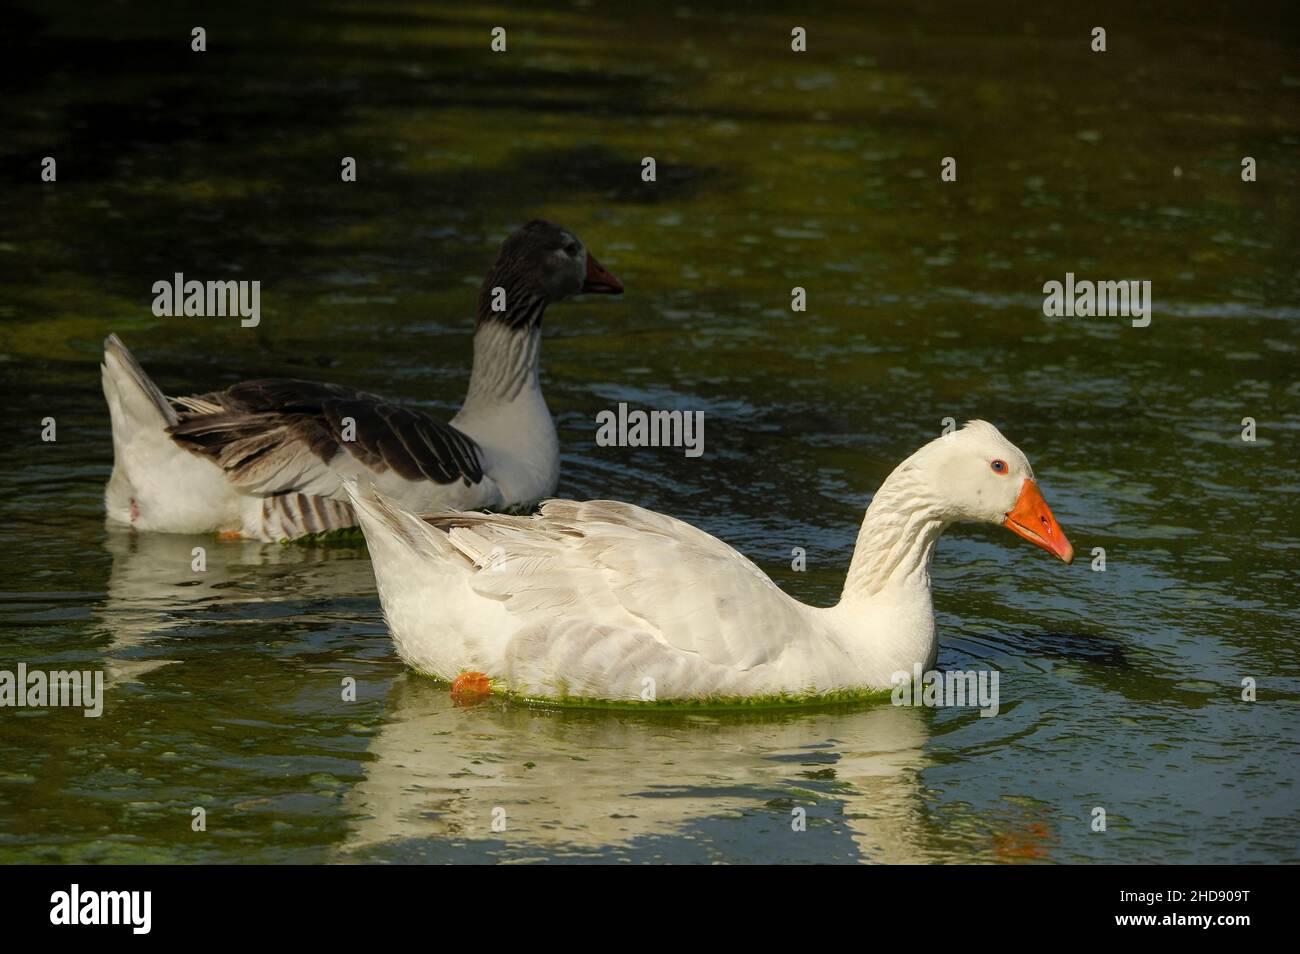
<point>606,600</point>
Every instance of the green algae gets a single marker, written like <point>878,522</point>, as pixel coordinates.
<point>772,701</point>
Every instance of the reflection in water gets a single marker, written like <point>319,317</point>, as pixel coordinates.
<point>577,780</point>
<point>1120,688</point>
<point>569,782</point>
<point>154,587</point>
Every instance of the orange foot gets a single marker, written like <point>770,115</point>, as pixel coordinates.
<point>229,535</point>
<point>470,687</point>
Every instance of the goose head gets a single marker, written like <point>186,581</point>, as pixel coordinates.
<point>975,475</point>
<point>539,264</point>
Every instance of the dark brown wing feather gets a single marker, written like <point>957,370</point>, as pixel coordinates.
<point>259,426</point>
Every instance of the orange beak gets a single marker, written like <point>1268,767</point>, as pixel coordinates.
<point>1032,519</point>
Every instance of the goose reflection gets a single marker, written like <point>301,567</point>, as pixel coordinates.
<point>160,582</point>
<point>583,781</point>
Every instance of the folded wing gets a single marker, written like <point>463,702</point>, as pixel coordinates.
<point>280,435</point>
<point>577,568</point>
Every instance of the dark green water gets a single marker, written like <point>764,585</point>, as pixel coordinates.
<point>1120,689</point>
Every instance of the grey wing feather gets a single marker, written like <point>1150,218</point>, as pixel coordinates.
<point>275,434</point>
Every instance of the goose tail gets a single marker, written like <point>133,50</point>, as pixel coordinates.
<point>418,573</point>
<point>393,534</point>
<point>133,399</point>
<point>139,415</point>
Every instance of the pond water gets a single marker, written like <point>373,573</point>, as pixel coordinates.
<point>1120,689</point>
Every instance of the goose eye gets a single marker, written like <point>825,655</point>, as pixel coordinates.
<point>571,249</point>
<point>999,466</point>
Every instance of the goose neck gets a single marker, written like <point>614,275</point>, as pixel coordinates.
<point>896,542</point>
<point>506,363</point>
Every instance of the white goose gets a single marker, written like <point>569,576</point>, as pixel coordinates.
<point>264,459</point>
<point>603,600</point>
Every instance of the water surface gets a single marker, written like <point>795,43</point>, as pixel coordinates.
<point>1120,689</point>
